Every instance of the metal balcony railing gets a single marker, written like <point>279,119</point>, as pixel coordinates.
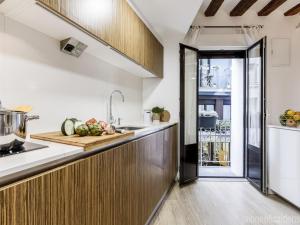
<point>214,145</point>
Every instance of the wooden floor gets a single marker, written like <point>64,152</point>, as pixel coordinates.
<point>212,202</point>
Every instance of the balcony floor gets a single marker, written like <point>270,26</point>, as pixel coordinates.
<point>216,171</point>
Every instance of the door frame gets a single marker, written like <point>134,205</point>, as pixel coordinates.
<point>182,112</point>
<point>263,188</point>
<point>182,101</point>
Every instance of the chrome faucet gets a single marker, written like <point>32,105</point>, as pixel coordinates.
<point>111,117</point>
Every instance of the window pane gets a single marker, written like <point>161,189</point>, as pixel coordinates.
<point>226,112</point>
<point>215,74</point>
<point>254,107</point>
<point>190,108</point>
<point>201,108</point>
<point>210,107</point>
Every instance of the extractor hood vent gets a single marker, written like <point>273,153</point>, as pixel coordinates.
<point>72,46</point>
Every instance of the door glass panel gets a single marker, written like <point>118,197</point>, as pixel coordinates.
<point>190,97</point>
<point>254,95</point>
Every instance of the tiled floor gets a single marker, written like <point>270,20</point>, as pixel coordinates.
<point>224,202</point>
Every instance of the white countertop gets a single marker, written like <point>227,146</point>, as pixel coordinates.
<point>19,162</point>
<point>16,163</point>
<point>149,127</point>
<point>284,128</point>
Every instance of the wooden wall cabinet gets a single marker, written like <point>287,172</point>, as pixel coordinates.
<point>121,186</point>
<point>115,23</point>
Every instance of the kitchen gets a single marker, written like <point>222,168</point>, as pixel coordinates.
<point>134,49</point>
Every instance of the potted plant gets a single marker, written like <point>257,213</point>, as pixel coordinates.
<point>156,111</point>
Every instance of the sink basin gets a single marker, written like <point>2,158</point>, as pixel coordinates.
<point>131,128</point>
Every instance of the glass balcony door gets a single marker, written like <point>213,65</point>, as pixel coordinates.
<point>188,114</point>
<point>256,115</point>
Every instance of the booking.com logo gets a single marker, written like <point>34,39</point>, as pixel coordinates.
<point>266,220</point>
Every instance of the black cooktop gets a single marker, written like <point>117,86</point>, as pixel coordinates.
<point>26,147</point>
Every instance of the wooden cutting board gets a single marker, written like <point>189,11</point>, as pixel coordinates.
<point>87,142</point>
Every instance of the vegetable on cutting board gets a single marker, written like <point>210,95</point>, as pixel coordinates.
<point>78,123</point>
<point>90,128</point>
<point>91,121</point>
<point>95,129</point>
<point>67,128</point>
<point>82,130</point>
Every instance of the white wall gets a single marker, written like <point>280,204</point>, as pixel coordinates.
<point>237,117</point>
<point>35,72</point>
<point>282,82</point>
<point>293,79</point>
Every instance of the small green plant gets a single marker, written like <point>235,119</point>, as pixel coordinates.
<point>157,110</point>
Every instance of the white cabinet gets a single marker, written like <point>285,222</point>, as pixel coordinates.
<point>284,162</point>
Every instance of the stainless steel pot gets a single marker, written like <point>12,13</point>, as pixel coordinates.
<point>13,128</point>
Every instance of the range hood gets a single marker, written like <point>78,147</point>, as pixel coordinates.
<point>72,47</point>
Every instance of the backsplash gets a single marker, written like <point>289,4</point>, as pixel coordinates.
<point>35,72</point>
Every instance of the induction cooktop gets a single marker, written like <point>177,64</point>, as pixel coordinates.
<point>26,147</point>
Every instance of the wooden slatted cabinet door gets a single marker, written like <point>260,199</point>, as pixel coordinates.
<point>128,199</point>
<point>170,155</point>
<point>149,50</point>
<point>174,167</point>
<point>53,4</point>
<point>158,59</point>
<point>66,196</point>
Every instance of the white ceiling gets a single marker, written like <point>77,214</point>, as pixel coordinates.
<point>228,5</point>
<point>168,16</point>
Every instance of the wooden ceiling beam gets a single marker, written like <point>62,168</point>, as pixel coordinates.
<point>213,7</point>
<point>242,7</point>
<point>293,11</point>
<point>270,7</point>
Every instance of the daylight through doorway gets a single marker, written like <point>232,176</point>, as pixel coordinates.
<point>221,114</point>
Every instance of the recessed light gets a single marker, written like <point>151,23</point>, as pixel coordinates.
<point>97,9</point>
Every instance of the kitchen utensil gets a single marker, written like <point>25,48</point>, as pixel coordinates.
<point>13,128</point>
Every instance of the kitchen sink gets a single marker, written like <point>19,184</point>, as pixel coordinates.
<point>131,128</point>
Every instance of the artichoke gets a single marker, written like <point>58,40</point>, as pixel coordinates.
<point>82,130</point>
<point>95,129</point>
